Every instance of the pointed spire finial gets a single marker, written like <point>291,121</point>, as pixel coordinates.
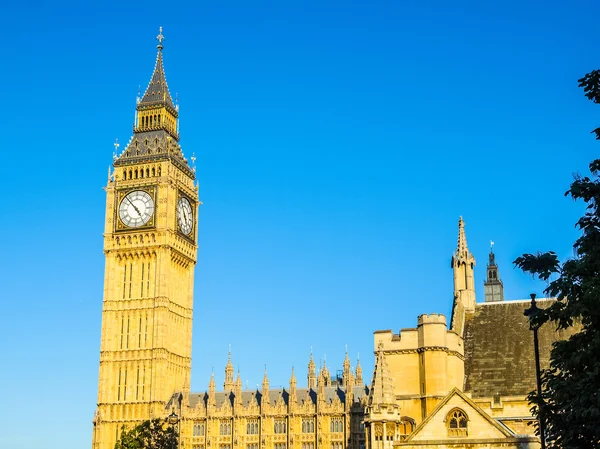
<point>160,38</point>
<point>116,145</point>
<point>462,238</point>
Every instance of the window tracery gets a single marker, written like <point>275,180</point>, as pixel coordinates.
<point>456,422</point>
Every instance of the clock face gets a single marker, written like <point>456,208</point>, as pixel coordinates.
<point>185,216</point>
<point>136,209</point>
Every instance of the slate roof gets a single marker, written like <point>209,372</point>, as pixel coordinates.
<point>153,145</point>
<point>157,91</point>
<point>499,355</point>
<point>196,399</point>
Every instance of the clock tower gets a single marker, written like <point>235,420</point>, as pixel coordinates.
<point>492,287</point>
<point>150,245</point>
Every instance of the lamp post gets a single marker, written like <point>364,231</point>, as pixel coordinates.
<point>173,419</point>
<point>534,325</point>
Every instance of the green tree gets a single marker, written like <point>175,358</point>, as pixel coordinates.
<point>152,434</point>
<point>570,401</point>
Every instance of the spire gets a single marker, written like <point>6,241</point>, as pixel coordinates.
<point>463,264</point>
<point>325,372</point>
<point>211,390</point>
<point>238,381</point>
<point>346,361</point>
<point>312,374</point>
<point>238,389</point>
<point>157,92</point>
<point>265,387</point>
<point>359,373</point>
<point>347,372</point>
<point>228,384</point>
<point>462,238</point>
<point>382,389</point>
<point>156,126</point>
<point>321,387</point>
<point>382,406</point>
<point>292,386</point>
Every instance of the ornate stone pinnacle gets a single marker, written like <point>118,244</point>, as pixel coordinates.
<point>160,38</point>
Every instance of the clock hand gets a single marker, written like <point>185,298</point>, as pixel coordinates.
<point>136,209</point>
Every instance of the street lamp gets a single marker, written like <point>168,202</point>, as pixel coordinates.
<point>173,419</point>
<point>534,325</point>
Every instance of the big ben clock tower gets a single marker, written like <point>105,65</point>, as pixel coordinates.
<point>150,244</point>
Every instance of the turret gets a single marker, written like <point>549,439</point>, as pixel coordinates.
<point>492,287</point>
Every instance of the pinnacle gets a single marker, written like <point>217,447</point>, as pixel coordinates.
<point>462,238</point>
<point>157,91</point>
<point>382,387</point>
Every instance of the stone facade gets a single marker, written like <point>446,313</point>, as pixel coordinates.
<point>434,386</point>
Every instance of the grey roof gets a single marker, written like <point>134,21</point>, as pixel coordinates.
<point>153,145</point>
<point>499,355</point>
<point>157,91</point>
<point>302,394</point>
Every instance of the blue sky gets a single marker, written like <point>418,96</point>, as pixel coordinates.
<point>337,144</point>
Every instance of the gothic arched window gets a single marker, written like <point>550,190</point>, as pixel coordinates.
<point>456,422</point>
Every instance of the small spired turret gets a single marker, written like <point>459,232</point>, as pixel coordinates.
<point>493,287</point>
<point>156,125</point>
<point>382,418</point>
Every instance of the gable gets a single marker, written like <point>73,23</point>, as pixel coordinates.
<point>479,424</point>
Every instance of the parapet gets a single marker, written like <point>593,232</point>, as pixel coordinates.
<point>431,332</point>
<point>433,318</point>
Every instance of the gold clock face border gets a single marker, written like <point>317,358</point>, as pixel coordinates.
<point>120,196</point>
<point>192,234</point>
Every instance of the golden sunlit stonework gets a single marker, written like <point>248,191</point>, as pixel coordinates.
<point>434,386</point>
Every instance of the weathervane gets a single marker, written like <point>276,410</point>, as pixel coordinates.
<point>491,245</point>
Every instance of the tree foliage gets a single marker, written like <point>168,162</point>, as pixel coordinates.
<point>152,434</point>
<point>570,401</point>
